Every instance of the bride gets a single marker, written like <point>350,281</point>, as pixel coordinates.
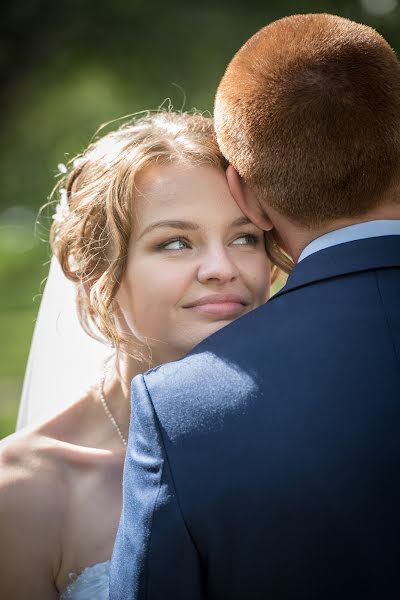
<point>160,257</point>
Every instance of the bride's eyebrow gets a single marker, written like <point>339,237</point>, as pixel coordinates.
<point>241,221</point>
<point>186,225</point>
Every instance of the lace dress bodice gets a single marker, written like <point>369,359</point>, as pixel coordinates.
<point>91,584</point>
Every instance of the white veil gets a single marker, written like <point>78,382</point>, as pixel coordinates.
<point>63,359</point>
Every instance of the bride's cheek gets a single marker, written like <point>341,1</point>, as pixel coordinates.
<point>261,279</point>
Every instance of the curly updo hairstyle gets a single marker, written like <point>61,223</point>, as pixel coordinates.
<point>91,230</point>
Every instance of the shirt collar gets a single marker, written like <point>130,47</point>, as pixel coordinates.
<point>360,231</point>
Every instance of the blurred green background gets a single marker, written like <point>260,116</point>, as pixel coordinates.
<point>66,68</point>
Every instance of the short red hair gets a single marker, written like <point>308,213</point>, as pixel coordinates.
<point>308,112</point>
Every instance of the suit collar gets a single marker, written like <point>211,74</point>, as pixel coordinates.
<point>351,233</point>
<point>343,259</point>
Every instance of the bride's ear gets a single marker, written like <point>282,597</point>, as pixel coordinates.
<point>247,200</point>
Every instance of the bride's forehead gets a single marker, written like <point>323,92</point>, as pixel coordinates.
<point>179,188</point>
<point>176,176</point>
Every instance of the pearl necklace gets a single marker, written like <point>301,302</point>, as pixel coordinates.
<point>107,410</point>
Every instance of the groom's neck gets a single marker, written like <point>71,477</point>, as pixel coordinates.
<point>294,238</point>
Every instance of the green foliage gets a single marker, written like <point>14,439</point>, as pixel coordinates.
<point>22,267</point>
<point>21,274</point>
<point>16,328</point>
<point>10,390</point>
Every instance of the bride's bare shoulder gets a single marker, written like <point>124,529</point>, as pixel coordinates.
<point>28,465</point>
<point>32,504</point>
<point>47,451</point>
<point>52,453</point>
<point>35,460</point>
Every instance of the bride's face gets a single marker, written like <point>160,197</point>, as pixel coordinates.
<point>195,261</point>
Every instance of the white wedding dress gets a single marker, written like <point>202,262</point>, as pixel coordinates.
<point>91,584</point>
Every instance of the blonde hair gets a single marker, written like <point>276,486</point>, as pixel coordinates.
<point>91,237</point>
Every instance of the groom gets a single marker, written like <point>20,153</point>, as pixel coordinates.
<point>266,463</point>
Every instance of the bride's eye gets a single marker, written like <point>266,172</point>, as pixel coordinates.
<point>247,239</point>
<point>178,244</point>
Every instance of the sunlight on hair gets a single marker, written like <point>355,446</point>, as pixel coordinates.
<point>379,8</point>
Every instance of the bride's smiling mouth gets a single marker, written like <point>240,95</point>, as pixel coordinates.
<point>220,305</point>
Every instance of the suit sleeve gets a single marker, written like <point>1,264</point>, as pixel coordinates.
<point>154,556</point>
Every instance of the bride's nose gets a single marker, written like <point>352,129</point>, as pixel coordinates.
<point>217,265</point>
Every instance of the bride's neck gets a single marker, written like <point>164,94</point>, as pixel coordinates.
<point>124,370</point>
<point>117,387</point>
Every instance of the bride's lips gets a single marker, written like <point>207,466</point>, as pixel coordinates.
<point>220,305</point>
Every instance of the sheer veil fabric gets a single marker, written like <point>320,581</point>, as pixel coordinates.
<point>63,360</point>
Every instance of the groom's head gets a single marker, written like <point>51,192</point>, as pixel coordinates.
<point>308,113</point>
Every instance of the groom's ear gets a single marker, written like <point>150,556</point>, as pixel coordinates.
<point>247,200</point>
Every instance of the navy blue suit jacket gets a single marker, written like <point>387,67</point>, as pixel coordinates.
<point>266,463</point>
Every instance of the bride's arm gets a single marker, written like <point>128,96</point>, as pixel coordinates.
<point>30,513</point>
